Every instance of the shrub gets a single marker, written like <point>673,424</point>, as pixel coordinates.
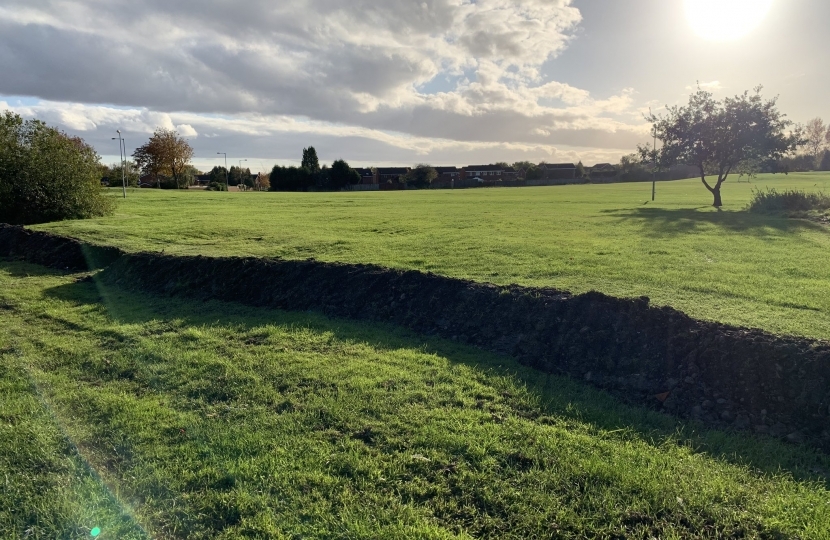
<point>46,175</point>
<point>216,186</point>
<point>792,201</point>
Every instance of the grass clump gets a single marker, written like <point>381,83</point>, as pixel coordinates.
<point>214,420</point>
<point>788,202</point>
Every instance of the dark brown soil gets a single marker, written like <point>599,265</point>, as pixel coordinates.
<point>721,375</point>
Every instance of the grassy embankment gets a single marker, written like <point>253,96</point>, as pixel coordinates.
<point>209,420</point>
<point>731,266</point>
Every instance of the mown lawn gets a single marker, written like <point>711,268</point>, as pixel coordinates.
<point>731,266</point>
<point>155,417</point>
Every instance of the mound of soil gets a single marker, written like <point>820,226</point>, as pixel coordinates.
<point>721,375</point>
<point>52,250</point>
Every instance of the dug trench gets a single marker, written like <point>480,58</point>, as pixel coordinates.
<point>720,375</point>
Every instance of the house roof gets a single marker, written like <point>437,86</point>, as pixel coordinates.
<point>363,171</point>
<point>441,170</point>
<point>558,166</point>
<point>393,170</point>
<point>487,168</point>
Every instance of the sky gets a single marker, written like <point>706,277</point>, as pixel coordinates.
<point>399,82</point>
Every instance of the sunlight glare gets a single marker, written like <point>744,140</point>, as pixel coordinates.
<point>726,20</point>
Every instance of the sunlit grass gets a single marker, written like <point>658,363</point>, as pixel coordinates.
<point>732,266</point>
<point>213,420</point>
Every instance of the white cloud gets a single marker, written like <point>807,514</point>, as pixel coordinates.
<point>346,68</point>
<point>186,130</point>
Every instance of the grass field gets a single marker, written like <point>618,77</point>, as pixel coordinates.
<point>731,266</point>
<point>152,417</point>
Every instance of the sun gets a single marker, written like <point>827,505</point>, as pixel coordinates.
<point>726,20</point>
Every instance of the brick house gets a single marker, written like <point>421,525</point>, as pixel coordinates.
<point>490,173</point>
<point>558,171</point>
<point>367,176</point>
<point>384,175</point>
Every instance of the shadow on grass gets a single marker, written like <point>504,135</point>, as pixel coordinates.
<point>560,396</point>
<point>17,268</point>
<point>663,222</point>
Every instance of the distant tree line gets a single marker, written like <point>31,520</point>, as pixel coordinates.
<point>311,176</point>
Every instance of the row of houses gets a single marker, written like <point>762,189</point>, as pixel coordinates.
<point>562,172</point>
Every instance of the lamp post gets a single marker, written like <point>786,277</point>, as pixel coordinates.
<point>122,151</point>
<point>654,169</point>
<point>226,169</point>
<point>240,167</point>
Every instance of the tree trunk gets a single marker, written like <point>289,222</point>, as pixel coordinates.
<point>718,202</point>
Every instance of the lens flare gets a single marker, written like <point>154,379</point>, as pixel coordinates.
<point>726,20</point>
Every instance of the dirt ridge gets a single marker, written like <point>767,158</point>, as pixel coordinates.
<point>722,375</point>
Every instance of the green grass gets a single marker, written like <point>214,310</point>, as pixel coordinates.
<point>732,266</point>
<point>210,420</point>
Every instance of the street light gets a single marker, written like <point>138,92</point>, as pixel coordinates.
<point>122,153</point>
<point>240,167</point>
<point>226,168</point>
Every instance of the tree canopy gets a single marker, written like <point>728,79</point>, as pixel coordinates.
<point>817,136</point>
<point>218,174</point>
<point>341,175</point>
<point>532,170</point>
<point>290,178</point>
<point>421,176</point>
<point>167,154</point>
<point>716,137</point>
<point>310,160</point>
<point>113,174</point>
<point>238,175</point>
<point>46,175</point>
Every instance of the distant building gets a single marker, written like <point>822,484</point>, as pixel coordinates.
<point>384,175</point>
<point>448,173</point>
<point>367,176</point>
<point>558,171</point>
<point>603,171</point>
<point>490,173</point>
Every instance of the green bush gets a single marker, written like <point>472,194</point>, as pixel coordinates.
<point>45,175</point>
<point>792,201</point>
<point>217,186</point>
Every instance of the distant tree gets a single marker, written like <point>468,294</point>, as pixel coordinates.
<point>219,175</point>
<point>421,176</point>
<point>290,178</point>
<point>263,182</point>
<point>341,175</point>
<point>113,174</point>
<point>631,169</point>
<point>532,171</point>
<point>238,175</point>
<point>630,163</point>
<point>717,136</point>
<point>310,160</point>
<point>46,175</point>
<point>580,170</point>
<point>825,162</point>
<point>817,136</point>
<point>189,175</point>
<point>166,153</point>
<point>502,164</point>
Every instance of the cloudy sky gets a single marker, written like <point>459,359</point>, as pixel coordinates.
<point>399,81</point>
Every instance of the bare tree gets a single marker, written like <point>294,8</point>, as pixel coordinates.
<point>818,136</point>
<point>166,153</point>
